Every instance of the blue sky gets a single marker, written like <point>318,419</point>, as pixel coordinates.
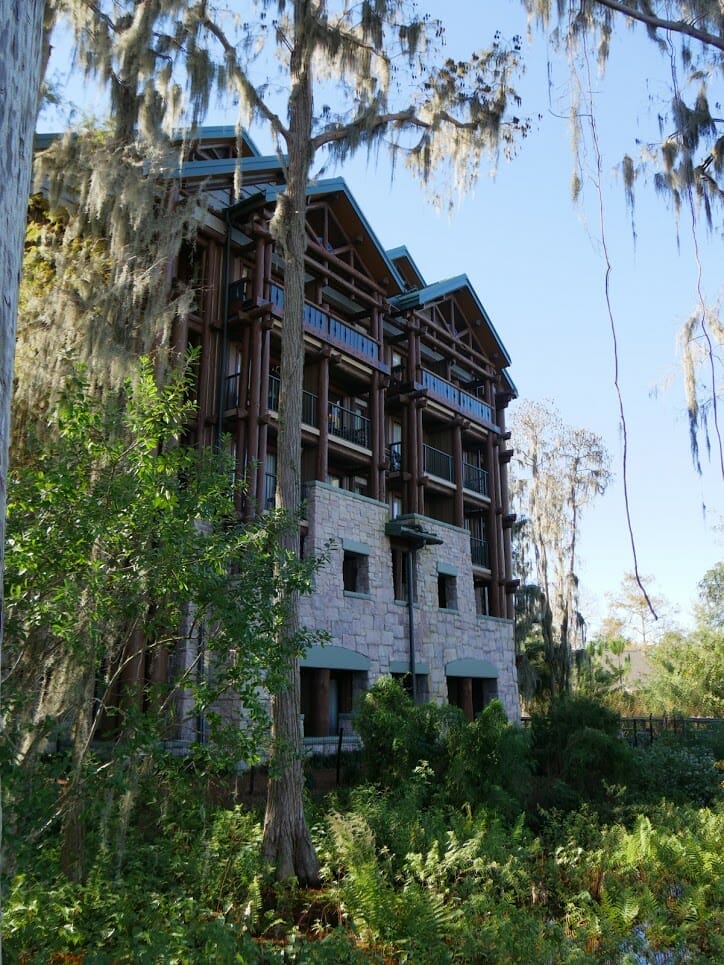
<point>536,261</point>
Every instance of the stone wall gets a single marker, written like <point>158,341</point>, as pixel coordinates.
<point>374,624</point>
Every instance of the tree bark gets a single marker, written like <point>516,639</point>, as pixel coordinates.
<point>21,37</point>
<point>287,843</point>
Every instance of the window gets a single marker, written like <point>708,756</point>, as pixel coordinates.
<point>399,575</point>
<point>447,597</point>
<point>482,598</point>
<point>395,507</point>
<point>471,694</point>
<point>355,572</point>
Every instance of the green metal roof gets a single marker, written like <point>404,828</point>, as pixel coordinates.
<point>333,657</point>
<point>471,667</point>
<point>441,289</point>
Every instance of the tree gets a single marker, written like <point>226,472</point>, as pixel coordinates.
<point>685,157</point>
<point>709,610</point>
<point>558,471</point>
<point>630,614</point>
<point>124,560</point>
<point>21,35</point>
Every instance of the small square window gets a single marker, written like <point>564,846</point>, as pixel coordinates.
<point>355,572</point>
<point>447,597</point>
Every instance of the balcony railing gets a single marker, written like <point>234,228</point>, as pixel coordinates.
<point>349,425</point>
<point>394,456</point>
<point>331,327</point>
<point>270,489</point>
<point>456,397</point>
<point>309,402</point>
<point>232,387</point>
<point>475,478</point>
<point>479,552</point>
<point>437,463</point>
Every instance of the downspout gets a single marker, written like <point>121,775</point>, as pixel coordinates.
<point>410,560</point>
<point>223,354</point>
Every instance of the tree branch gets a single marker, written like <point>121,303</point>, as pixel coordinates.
<point>243,81</point>
<point>659,23</point>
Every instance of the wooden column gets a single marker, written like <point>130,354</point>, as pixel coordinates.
<point>459,507</point>
<point>263,414</point>
<point>465,691</point>
<point>319,724</point>
<point>377,440</point>
<point>419,485</point>
<point>323,414</point>
<point>254,411</point>
<point>492,533</point>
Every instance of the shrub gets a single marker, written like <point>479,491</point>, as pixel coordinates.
<point>398,735</point>
<point>679,770</point>
<point>578,752</point>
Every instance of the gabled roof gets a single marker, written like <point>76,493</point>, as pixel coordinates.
<point>472,305</point>
<point>405,264</point>
<point>350,215</point>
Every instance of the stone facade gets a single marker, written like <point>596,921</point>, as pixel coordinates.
<point>375,625</point>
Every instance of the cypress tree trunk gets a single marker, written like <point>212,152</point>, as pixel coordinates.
<point>287,843</point>
<point>21,37</point>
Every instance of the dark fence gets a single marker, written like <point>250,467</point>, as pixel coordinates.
<point>644,730</point>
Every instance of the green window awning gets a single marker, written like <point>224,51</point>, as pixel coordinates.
<point>471,667</point>
<point>334,657</point>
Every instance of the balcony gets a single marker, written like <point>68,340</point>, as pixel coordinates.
<point>349,425</point>
<point>330,327</point>
<point>452,395</point>
<point>309,402</point>
<point>479,552</point>
<point>475,478</point>
<point>437,463</point>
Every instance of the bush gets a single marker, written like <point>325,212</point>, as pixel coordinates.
<point>578,752</point>
<point>398,735</point>
<point>681,770</point>
<point>490,763</point>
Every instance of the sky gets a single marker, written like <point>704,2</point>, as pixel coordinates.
<point>537,263</point>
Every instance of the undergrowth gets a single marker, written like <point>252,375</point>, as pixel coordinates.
<point>493,849</point>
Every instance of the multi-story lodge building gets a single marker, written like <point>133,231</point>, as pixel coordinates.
<point>404,445</point>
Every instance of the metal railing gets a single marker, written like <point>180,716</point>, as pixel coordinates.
<point>475,478</point>
<point>270,489</point>
<point>437,463</point>
<point>309,402</point>
<point>479,552</point>
<point>330,326</point>
<point>394,456</point>
<point>232,388</point>
<point>462,400</point>
<point>349,425</point>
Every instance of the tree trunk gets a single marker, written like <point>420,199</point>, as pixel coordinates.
<point>21,36</point>
<point>287,844</point>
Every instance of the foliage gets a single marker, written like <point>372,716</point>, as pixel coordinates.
<point>408,873</point>
<point>683,157</point>
<point>397,735</point>
<point>709,610</point>
<point>688,675</point>
<point>578,752</point>
<point>680,770</point>
<point>630,613</point>
<point>124,550</point>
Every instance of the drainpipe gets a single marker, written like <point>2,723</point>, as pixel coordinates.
<point>412,535</point>
<point>410,564</point>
